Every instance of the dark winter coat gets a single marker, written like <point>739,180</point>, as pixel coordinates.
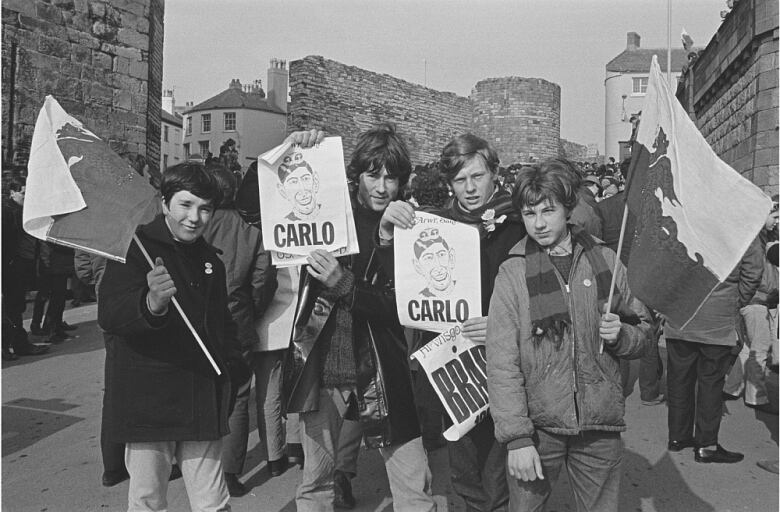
<point>159,385</point>
<point>251,280</point>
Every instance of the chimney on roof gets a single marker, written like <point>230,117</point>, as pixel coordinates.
<point>278,82</point>
<point>168,101</point>
<point>235,84</point>
<point>632,41</point>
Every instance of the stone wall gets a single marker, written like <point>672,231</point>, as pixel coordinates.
<point>346,100</point>
<point>731,91</point>
<point>573,151</point>
<point>520,117</point>
<point>101,60</point>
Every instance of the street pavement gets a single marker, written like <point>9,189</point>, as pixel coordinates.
<point>51,450</point>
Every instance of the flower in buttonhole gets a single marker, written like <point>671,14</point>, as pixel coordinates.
<point>490,220</point>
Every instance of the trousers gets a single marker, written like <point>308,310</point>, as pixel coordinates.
<point>406,464</point>
<point>478,469</point>
<point>695,377</point>
<point>592,461</point>
<point>149,465</point>
<point>749,372</point>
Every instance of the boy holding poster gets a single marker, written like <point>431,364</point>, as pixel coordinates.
<point>348,353</point>
<point>555,396</point>
<point>469,165</point>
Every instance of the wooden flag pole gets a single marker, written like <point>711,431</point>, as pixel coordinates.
<point>181,312</point>
<point>617,262</point>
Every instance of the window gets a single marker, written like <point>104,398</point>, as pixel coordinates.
<point>230,121</point>
<point>189,125</point>
<point>205,123</point>
<point>165,161</point>
<point>639,85</point>
<point>187,151</point>
<point>165,133</point>
<point>204,148</point>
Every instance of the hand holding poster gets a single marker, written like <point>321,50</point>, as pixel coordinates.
<point>304,202</point>
<point>437,273</point>
<point>457,369</point>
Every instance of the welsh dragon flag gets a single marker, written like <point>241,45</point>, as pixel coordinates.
<point>79,192</point>
<point>696,216</point>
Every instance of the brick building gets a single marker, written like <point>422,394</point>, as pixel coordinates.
<point>731,91</point>
<point>101,60</point>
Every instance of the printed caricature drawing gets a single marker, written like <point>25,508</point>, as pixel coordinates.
<point>434,260</point>
<point>299,184</point>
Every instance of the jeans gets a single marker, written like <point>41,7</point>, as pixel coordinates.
<point>592,460</point>
<point>478,469</point>
<point>234,445</point>
<point>149,465</point>
<point>406,464</point>
<point>267,367</point>
<point>349,447</point>
<point>695,377</point>
<point>761,329</point>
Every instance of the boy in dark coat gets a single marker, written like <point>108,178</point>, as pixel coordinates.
<point>164,399</point>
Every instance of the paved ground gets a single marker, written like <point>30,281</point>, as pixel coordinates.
<point>51,456</point>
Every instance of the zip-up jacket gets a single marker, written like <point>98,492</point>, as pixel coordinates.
<point>566,388</point>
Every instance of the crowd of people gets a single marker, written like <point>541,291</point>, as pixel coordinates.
<point>324,349</point>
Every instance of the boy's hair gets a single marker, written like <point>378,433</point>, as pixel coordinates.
<point>227,183</point>
<point>192,177</point>
<point>554,180</point>
<point>460,150</point>
<point>380,146</point>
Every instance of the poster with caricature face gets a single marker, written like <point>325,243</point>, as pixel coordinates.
<point>437,271</point>
<point>304,202</point>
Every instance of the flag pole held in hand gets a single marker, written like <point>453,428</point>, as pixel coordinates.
<point>181,312</point>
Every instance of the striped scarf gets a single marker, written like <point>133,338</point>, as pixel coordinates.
<point>500,204</point>
<point>549,308</point>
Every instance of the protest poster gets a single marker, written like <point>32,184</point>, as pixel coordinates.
<point>457,370</point>
<point>437,273</point>
<point>285,259</point>
<point>304,201</point>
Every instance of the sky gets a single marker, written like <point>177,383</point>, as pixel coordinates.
<point>446,45</point>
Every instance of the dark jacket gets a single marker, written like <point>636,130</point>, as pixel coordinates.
<point>251,280</point>
<point>159,385</point>
<point>386,407</point>
<point>716,321</point>
<point>563,389</point>
<point>611,211</point>
<point>56,260</point>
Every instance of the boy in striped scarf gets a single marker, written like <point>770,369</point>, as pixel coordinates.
<point>553,349</point>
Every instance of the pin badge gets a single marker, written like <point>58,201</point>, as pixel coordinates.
<point>587,282</point>
<point>208,268</point>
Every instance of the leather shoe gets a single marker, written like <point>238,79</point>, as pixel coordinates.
<point>235,487</point>
<point>295,454</point>
<point>676,446</point>
<point>342,488</point>
<point>111,478</point>
<point>9,356</point>
<point>277,467</point>
<point>31,349</point>
<point>65,326</point>
<point>655,401</point>
<point>175,473</point>
<point>716,455</point>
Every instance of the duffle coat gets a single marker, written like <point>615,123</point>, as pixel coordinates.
<point>159,385</point>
